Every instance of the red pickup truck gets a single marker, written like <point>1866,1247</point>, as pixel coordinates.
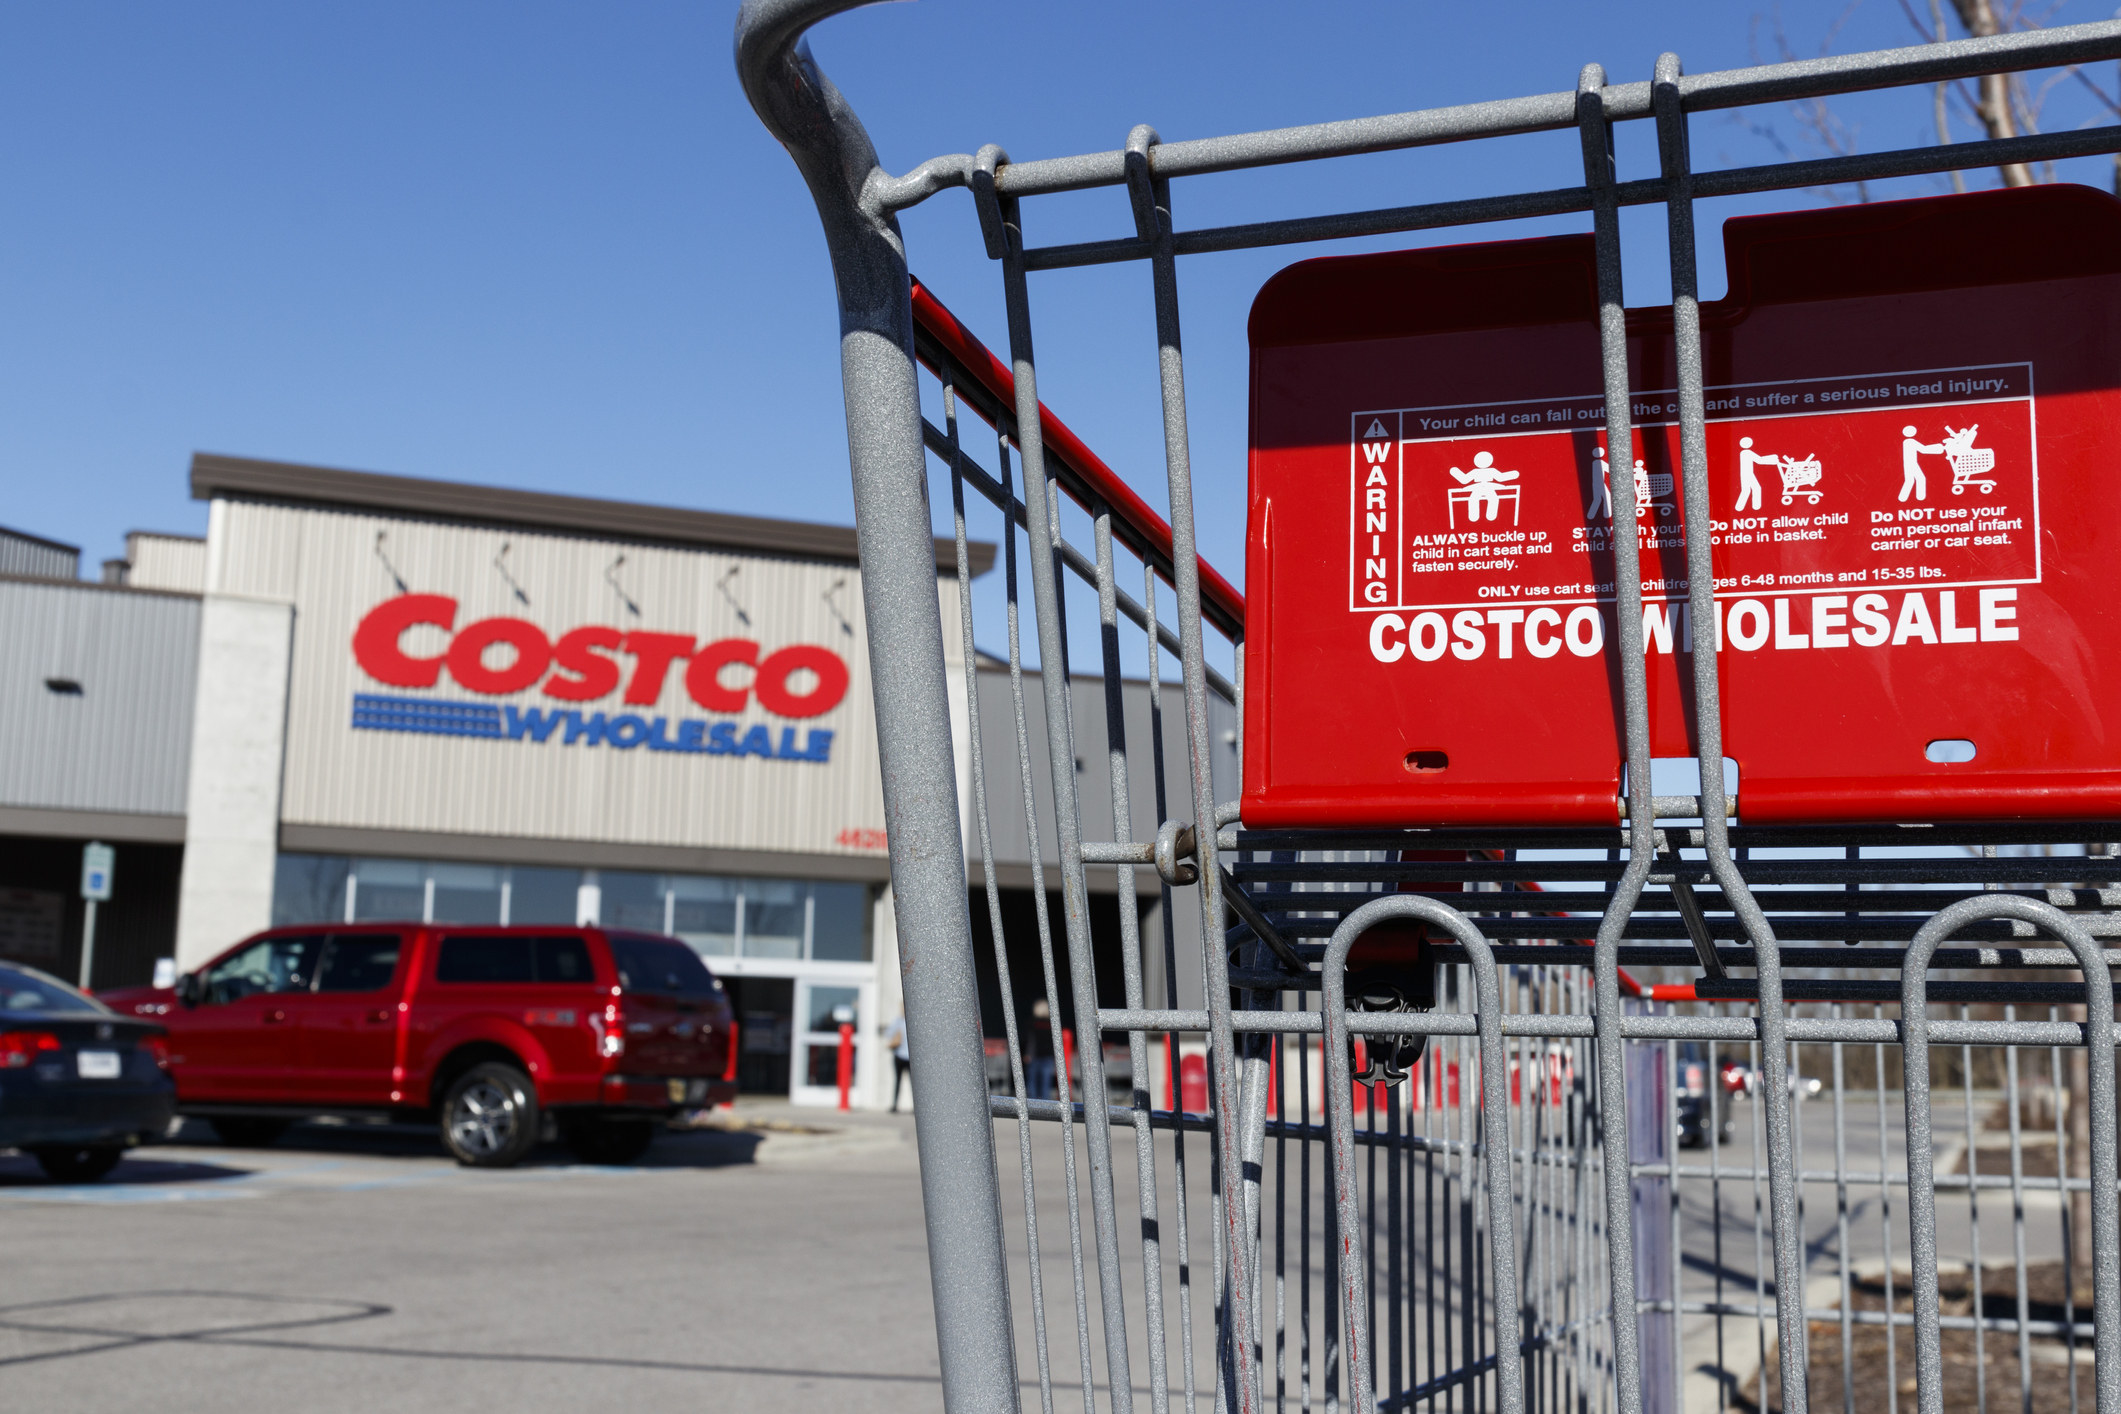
<point>487,1031</point>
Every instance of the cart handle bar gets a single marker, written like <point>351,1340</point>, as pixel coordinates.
<point>1221,601</point>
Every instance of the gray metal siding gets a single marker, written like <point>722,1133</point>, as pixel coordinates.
<point>33,555</point>
<point>123,743</point>
<point>1093,776</point>
<point>1093,783</point>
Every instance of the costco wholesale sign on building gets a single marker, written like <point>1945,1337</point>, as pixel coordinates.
<point>367,697</point>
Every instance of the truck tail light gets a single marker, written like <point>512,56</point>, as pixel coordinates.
<point>158,1047</point>
<point>610,1028</point>
<point>729,1039</point>
<point>19,1048</point>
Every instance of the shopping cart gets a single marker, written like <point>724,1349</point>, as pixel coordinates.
<point>1968,462</point>
<point>1511,1224</point>
<point>1651,486</point>
<point>1800,478</point>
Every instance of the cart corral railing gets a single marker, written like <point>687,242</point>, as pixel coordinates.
<point>1512,1222</point>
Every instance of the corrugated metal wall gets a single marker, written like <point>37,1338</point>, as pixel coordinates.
<point>28,554</point>
<point>166,562</point>
<point>123,741</point>
<point>335,566</point>
<point>1093,776</point>
<point>1093,782</point>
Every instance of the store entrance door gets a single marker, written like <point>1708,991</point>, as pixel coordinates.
<point>817,1044</point>
<point>765,1012</point>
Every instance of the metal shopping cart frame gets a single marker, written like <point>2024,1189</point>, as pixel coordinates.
<point>886,340</point>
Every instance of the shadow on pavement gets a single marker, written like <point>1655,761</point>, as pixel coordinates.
<point>123,1320</point>
<point>141,1166</point>
<point>691,1149</point>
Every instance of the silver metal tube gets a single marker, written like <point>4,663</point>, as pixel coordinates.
<point>1152,207</point>
<point>1131,964</point>
<point>1708,724</point>
<point>1519,206</point>
<point>976,753</point>
<point>1494,1111</point>
<point>975,1340</point>
<point>1766,83</point>
<point>1084,569</point>
<point>1595,128</point>
<point>1634,1028</point>
<point>1043,532</point>
<point>1922,1202</point>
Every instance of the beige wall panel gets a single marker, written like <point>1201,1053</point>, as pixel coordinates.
<point>176,562</point>
<point>335,566</point>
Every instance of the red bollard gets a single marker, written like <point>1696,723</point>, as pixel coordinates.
<point>1193,1084</point>
<point>846,1061</point>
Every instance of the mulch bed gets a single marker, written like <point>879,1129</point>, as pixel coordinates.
<point>1879,1391</point>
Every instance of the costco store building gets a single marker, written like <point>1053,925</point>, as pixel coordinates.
<point>371,697</point>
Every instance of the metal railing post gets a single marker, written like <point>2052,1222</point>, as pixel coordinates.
<point>1677,168</point>
<point>1921,1171</point>
<point>1597,135</point>
<point>1493,1145</point>
<point>959,1189</point>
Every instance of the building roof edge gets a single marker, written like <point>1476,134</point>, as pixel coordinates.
<point>216,476</point>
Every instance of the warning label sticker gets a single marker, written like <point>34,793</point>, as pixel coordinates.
<point>1927,478</point>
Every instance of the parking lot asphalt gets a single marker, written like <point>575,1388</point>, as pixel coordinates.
<point>760,1267</point>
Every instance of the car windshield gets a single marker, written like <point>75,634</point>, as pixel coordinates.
<point>660,965</point>
<point>26,989</point>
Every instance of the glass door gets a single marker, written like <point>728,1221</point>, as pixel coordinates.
<point>815,1080</point>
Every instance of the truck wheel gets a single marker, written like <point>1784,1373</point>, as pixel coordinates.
<point>610,1141</point>
<point>78,1163</point>
<point>490,1117</point>
<point>246,1132</point>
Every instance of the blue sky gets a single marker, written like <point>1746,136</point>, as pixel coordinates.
<point>548,246</point>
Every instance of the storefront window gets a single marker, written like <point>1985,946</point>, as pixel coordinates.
<point>774,915</point>
<point>632,901</point>
<point>543,895</point>
<point>309,888</point>
<point>704,913</point>
<point>779,920</point>
<point>839,924</point>
<point>392,890</point>
<point>466,893</point>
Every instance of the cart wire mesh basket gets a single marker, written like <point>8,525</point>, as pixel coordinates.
<point>1254,1179</point>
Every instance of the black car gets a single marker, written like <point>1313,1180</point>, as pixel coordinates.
<point>79,1084</point>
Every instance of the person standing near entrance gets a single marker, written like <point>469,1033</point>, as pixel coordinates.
<point>901,1057</point>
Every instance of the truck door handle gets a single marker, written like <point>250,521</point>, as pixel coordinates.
<point>275,1015</point>
<point>379,1014</point>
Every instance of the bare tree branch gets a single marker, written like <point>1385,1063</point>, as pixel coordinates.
<point>1995,108</point>
<point>1941,103</point>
